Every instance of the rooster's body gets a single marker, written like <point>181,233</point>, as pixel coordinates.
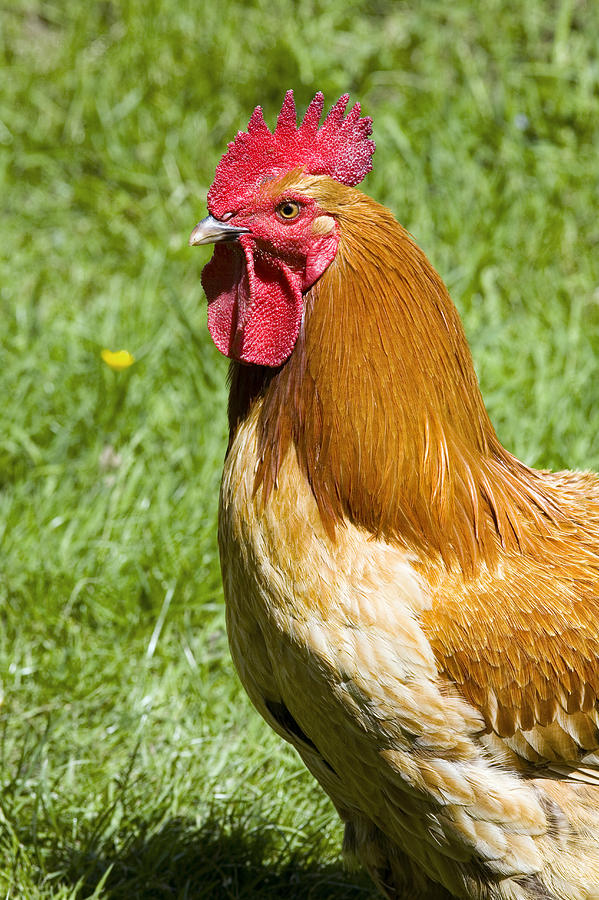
<point>411,607</point>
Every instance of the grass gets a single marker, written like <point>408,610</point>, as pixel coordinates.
<point>131,763</point>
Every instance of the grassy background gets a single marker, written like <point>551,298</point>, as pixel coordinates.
<point>131,764</point>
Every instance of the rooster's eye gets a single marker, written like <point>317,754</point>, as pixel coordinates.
<point>289,209</point>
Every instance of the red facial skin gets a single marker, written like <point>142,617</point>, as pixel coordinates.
<point>255,285</point>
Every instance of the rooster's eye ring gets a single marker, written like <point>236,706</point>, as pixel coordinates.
<point>289,209</point>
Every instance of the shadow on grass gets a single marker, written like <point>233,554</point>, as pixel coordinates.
<point>215,860</point>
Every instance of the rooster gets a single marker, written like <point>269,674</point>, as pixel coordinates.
<point>411,607</point>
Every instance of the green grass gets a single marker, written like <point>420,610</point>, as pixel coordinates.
<point>131,763</point>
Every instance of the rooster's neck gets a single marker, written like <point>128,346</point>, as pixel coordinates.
<point>381,402</point>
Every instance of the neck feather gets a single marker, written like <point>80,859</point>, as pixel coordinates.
<point>381,402</point>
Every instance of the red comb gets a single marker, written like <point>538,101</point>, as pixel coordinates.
<point>340,148</point>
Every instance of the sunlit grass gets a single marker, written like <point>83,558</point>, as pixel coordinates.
<point>131,763</point>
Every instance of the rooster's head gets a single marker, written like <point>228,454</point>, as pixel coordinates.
<point>275,230</point>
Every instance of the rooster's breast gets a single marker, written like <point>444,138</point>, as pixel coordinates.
<point>326,638</point>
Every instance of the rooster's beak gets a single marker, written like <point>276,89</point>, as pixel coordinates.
<point>210,231</point>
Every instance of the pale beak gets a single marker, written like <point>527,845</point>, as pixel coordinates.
<point>211,231</point>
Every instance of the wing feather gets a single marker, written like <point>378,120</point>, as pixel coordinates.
<point>522,646</point>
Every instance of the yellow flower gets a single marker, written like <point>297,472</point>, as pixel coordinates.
<point>118,360</point>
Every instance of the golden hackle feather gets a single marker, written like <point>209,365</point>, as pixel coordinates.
<point>382,404</point>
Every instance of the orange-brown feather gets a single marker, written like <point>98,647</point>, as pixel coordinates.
<point>381,401</point>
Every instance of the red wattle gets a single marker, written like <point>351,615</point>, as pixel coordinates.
<point>254,304</point>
